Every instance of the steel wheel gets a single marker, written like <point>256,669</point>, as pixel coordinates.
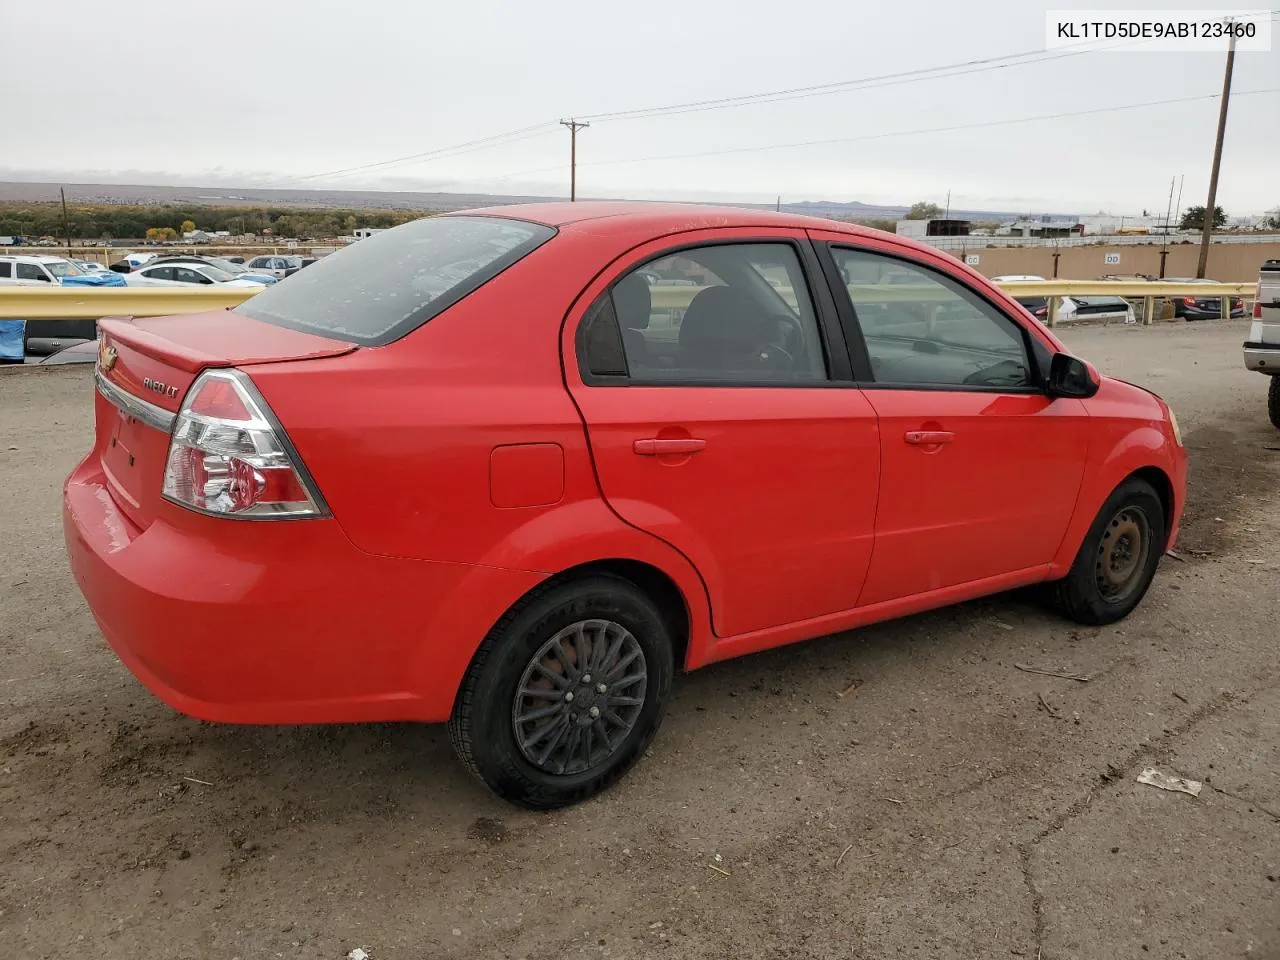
<point>1122,554</point>
<point>579,697</point>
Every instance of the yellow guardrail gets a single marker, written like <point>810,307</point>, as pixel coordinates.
<point>91,303</point>
<point>1129,289</point>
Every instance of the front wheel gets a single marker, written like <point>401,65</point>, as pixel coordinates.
<point>565,693</point>
<point>1273,401</point>
<point>1117,560</point>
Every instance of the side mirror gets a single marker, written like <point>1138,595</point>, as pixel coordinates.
<point>1071,377</point>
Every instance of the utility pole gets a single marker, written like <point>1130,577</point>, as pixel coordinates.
<point>1168,212</point>
<point>66,223</point>
<point>1212,205</point>
<point>574,126</point>
<point>947,215</point>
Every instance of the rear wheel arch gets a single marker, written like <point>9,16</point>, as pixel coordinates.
<point>652,581</point>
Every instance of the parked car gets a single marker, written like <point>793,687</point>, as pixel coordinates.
<point>302,262</point>
<point>136,260</point>
<point>226,266</point>
<point>184,275</point>
<point>1262,349</point>
<point>23,269</point>
<point>1081,308</point>
<point>1037,306</point>
<point>279,267</point>
<point>104,278</point>
<point>467,470</point>
<point>1095,308</point>
<point>1202,308</point>
<point>89,266</point>
<point>1073,308</point>
<point>77,351</point>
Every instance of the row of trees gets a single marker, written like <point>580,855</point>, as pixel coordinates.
<point>107,221</point>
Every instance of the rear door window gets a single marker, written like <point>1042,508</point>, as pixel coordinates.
<point>377,290</point>
<point>725,313</point>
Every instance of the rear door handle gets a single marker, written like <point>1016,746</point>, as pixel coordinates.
<point>653,447</point>
<point>926,438</point>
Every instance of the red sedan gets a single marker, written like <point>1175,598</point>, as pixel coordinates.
<point>510,469</point>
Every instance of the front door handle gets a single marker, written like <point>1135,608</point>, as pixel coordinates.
<point>928,438</point>
<point>654,447</point>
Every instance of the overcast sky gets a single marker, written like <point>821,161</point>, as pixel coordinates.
<point>271,91</point>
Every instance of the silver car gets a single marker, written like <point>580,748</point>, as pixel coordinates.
<point>275,265</point>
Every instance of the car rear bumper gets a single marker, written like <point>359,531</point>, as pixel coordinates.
<point>278,621</point>
<point>1262,357</point>
<point>1208,313</point>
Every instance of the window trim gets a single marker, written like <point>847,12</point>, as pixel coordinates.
<point>1038,354</point>
<point>831,336</point>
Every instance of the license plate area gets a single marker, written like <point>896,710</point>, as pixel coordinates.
<point>122,460</point>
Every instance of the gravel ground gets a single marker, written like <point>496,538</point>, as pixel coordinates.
<point>952,806</point>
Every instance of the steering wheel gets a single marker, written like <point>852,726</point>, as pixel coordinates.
<point>1006,373</point>
<point>784,336</point>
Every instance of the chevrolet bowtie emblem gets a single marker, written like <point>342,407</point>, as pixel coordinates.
<point>106,357</point>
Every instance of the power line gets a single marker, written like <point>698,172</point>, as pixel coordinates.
<point>897,133</point>
<point>944,71</point>
<point>839,86</point>
<point>884,80</point>
<point>470,146</point>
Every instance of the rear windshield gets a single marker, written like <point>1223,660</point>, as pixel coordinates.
<point>378,289</point>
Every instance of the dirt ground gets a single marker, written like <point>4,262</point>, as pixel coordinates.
<point>951,806</point>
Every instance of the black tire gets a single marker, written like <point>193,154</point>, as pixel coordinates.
<point>1273,401</point>
<point>1090,593</point>
<point>488,710</point>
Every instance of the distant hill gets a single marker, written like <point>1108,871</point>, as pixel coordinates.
<point>18,192</point>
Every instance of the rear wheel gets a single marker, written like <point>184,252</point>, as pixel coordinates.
<point>565,693</point>
<point>1273,401</point>
<point>1117,560</point>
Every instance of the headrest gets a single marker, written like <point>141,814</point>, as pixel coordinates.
<point>632,301</point>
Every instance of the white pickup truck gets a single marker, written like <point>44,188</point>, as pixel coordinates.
<point>1262,349</point>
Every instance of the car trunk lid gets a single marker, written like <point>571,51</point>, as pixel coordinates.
<point>145,367</point>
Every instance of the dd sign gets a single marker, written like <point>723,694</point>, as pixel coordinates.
<point>1111,259</point>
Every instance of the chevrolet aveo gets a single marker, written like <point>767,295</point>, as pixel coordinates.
<point>510,469</point>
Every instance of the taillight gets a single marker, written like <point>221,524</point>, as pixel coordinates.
<point>1188,301</point>
<point>1257,302</point>
<point>1041,311</point>
<point>228,457</point>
